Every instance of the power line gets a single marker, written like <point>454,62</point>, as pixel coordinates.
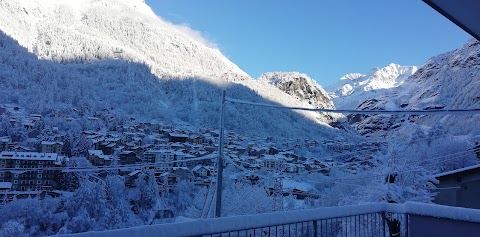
<point>343,164</point>
<point>453,154</point>
<point>404,171</point>
<point>346,111</point>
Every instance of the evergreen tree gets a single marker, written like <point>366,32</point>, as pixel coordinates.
<point>70,181</point>
<point>67,149</point>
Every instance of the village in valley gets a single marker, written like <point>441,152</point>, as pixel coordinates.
<point>35,156</point>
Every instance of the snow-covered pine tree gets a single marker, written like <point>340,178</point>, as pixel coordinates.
<point>70,181</point>
<point>67,149</point>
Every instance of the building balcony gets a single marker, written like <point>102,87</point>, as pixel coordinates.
<point>379,219</point>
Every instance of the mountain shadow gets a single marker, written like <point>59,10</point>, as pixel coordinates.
<point>130,90</point>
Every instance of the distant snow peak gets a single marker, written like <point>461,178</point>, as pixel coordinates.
<point>354,87</point>
<point>352,76</point>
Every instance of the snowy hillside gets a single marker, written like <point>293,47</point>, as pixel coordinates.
<point>117,55</point>
<point>86,30</point>
<point>447,81</point>
<point>354,88</point>
<point>302,88</point>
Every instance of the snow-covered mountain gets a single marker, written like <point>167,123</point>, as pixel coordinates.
<point>354,88</point>
<point>117,55</point>
<point>86,30</point>
<point>447,81</point>
<point>303,88</point>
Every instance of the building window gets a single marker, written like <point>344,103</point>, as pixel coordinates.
<point>31,182</point>
<point>40,162</point>
<point>47,182</point>
<point>15,181</point>
<point>17,161</point>
<point>23,182</point>
<point>17,166</point>
<point>39,176</point>
<point>39,182</point>
<point>15,175</point>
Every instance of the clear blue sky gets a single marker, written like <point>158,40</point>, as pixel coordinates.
<point>325,39</point>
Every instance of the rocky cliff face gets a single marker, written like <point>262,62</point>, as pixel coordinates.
<point>303,88</point>
<point>300,86</point>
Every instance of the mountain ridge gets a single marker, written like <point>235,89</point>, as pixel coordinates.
<point>447,81</point>
<point>354,88</point>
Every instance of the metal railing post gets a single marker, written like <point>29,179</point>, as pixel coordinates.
<point>383,223</point>
<point>406,225</point>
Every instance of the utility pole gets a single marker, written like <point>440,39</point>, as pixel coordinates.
<point>277,195</point>
<point>218,206</point>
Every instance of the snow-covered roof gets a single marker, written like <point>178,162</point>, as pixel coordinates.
<point>105,157</point>
<point>197,168</point>
<point>166,174</point>
<point>178,135</point>
<point>51,143</point>
<point>95,152</point>
<point>5,185</point>
<point>5,140</point>
<point>458,170</point>
<point>270,157</point>
<point>28,155</point>
<point>160,151</point>
<point>289,184</point>
<point>133,173</point>
<point>126,152</point>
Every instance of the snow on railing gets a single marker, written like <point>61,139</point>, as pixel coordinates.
<point>339,215</point>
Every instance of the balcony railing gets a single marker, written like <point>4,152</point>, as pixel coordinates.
<point>381,219</point>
